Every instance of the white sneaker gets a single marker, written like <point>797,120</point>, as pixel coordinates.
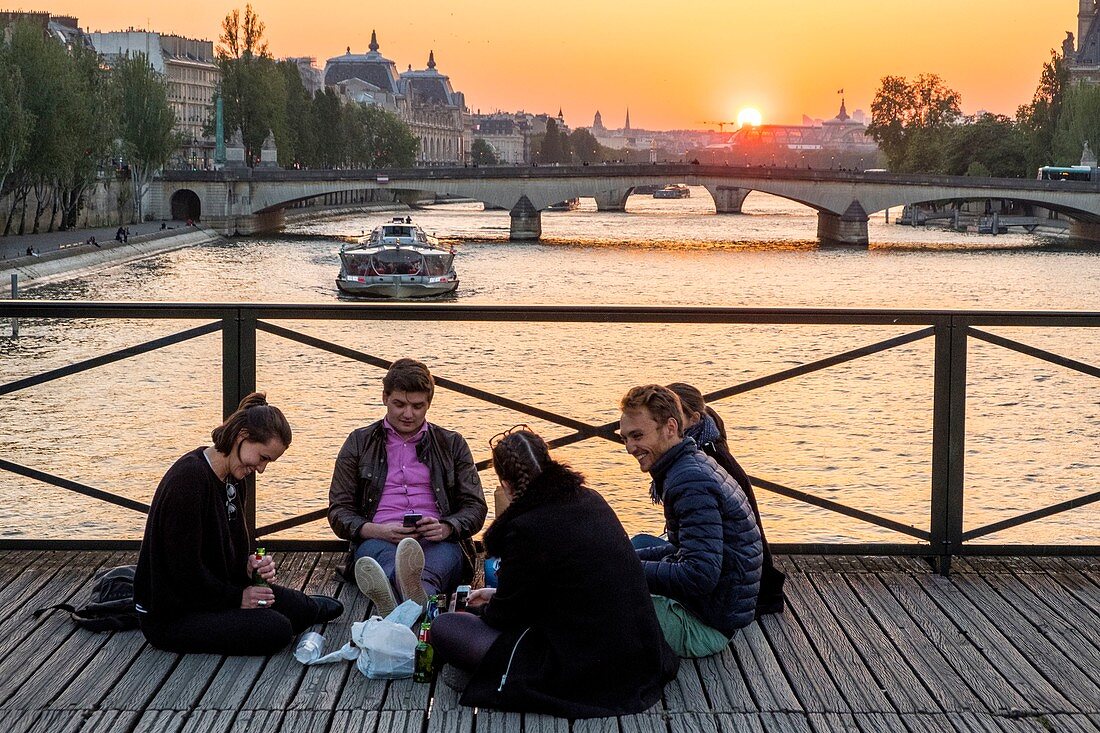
<point>409,567</point>
<point>373,583</point>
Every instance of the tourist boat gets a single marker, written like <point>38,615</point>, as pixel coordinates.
<point>567,205</point>
<point>397,260</point>
<point>673,191</point>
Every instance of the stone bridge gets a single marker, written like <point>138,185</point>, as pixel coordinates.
<point>249,201</point>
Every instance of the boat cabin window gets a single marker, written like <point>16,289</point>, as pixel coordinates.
<point>398,262</point>
<point>437,264</point>
<point>396,231</point>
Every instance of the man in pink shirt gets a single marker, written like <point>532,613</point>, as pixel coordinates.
<point>406,495</point>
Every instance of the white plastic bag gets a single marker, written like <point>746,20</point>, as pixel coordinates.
<point>389,649</point>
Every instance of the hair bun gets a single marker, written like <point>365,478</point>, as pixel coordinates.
<point>256,399</point>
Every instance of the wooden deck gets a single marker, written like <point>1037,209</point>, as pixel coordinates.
<point>868,644</point>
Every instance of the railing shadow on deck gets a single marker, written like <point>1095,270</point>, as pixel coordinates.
<point>950,331</point>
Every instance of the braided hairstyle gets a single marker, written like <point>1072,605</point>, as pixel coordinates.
<point>519,459</point>
<point>259,420</point>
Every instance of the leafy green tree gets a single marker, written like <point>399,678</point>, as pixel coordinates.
<point>92,121</point>
<point>1039,119</point>
<point>1078,122</point>
<point>389,143</point>
<point>146,120</point>
<point>584,145</point>
<point>552,149</point>
<point>482,153</point>
<point>299,136</point>
<point>253,89</point>
<point>326,118</point>
<point>991,143</point>
<point>15,119</point>
<point>908,120</point>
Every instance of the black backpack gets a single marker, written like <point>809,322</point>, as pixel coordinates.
<point>110,605</point>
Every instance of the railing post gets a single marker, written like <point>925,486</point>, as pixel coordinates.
<point>948,441</point>
<point>239,379</point>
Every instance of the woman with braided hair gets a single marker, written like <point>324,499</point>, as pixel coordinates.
<point>194,586</point>
<point>570,629</point>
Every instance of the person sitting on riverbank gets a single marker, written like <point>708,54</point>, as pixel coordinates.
<point>706,576</point>
<point>406,494</point>
<point>706,428</point>
<point>198,585</point>
<point>570,629</point>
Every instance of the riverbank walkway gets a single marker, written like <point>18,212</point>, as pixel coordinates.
<point>868,644</point>
<point>15,246</point>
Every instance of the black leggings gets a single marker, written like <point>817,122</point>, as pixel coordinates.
<point>237,631</point>
<point>462,639</point>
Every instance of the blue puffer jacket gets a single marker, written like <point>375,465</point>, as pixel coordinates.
<point>713,564</point>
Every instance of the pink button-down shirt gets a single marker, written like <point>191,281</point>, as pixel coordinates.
<point>408,481</point>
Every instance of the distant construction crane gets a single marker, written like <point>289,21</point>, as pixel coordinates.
<point>721,123</point>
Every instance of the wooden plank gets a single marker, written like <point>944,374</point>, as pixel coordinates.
<point>24,580</point>
<point>540,723</point>
<point>187,682</point>
<point>141,680</point>
<point>1073,723</point>
<point>724,683</point>
<point>833,723</point>
<point>497,721</point>
<point>39,640</point>
<point>407,695</point>
<point>109,721</point>
<point>161,721</point>
<point>591,725</point>
<point>355,721</point>
<point>964,662</point>
<point>763,674</point>
<point>693,723</point>
<point>643,723</point>
<point>451,720</point>
<point>987,723</point>
<point>786,722</point>
<point>891,672</point>
<point>992,643</point>
<point>1028,626</point>
<point>258,721</point>
<point>58,721</point>
<point>845,665</point>
<point>301,721</point>
<point>209,721</point>
<point>13,566</point>
<point>322,685</point>
<point>805,671</point>
<point>685,692</point>
<point>19,721</point>
<point>923,654</point>
<point>96,680</point>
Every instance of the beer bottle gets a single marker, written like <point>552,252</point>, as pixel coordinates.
<point>256,579</point>
<point>424,668</point>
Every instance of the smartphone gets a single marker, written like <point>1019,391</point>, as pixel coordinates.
<point>462,595</point>
<point>411,519</point>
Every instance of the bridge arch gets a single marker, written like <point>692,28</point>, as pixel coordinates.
<point>186,204</point>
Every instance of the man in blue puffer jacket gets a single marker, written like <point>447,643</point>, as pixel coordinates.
<point>706,576</point>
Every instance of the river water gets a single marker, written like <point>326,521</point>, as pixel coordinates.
<point>859,434</point>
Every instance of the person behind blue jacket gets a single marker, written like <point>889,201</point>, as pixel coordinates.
<point>706,577</point>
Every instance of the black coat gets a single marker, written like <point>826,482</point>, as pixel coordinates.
<point>714,566</point>
<point>580,636</point>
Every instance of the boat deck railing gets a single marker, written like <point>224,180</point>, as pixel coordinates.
<point>950,332</point>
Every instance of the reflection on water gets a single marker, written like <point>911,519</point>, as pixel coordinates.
<point>859,434</point>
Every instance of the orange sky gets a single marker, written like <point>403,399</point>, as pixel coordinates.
<point>675,63</point>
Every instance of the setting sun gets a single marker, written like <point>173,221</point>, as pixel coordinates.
<point>749,116</point>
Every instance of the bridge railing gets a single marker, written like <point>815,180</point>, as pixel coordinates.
<point>950,332</point>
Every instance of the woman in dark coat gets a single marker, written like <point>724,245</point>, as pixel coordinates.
<point>570,629</point>
<point>704,425</point>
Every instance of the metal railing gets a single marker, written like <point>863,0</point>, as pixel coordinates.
<point>951,331</point>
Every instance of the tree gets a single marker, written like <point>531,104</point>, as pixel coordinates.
<point>908,120</point>
<point>15,119</point>
<point>1040,118</point>
<point>252,87</point>
<point>146,121</point>
<point>388,142</point>
<point>585,146</point>
<point>1078,122</point>
<point>326,119</point>
<point>552,150</point>
<point>482,153</point>
<point>92,123</point>
<point>989,145</point>
<point>298,139</point>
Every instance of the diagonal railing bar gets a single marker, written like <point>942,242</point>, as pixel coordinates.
<point>839,508</point>
<point>292,522</point>
<point>98,361</point>
<point>79,488</point>
<point>1047,356</point>
<point>815,366</point>
<point>588,431</point>
<point>1032,516</point>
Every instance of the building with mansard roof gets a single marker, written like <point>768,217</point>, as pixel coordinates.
<point>1083,60</point>
<point>423,99</point>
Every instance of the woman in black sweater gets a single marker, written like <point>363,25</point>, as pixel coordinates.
<point>194,586</point>
<point>570,629</point>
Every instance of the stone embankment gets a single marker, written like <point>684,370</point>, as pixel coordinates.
<point>78,260</point>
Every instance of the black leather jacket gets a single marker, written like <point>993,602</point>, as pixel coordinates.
<point>360,476</point>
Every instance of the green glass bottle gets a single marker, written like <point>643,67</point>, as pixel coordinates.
<point>424,669</point>
<point>256,579</point>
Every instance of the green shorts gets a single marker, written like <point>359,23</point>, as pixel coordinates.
<point>686,634</point>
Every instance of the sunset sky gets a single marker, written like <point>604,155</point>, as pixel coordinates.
<point>675,64</point>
